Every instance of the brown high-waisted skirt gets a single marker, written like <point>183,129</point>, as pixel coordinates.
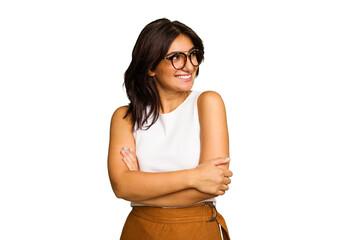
<point>191,223</point>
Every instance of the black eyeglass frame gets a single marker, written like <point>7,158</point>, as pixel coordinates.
<point>170,58</point>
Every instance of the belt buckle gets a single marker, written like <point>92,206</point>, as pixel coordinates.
<point>212,207</point>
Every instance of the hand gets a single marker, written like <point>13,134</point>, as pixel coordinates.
<point>211,179</point>
<point>130,159</point>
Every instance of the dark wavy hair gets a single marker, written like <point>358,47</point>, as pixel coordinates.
<point>150,48</point>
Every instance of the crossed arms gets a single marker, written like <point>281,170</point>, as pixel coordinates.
<point>179,188</point>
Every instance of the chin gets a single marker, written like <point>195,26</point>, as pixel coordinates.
<point>188,87</point>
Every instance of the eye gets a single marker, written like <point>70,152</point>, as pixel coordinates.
<point>174,57</point>
<point>196,54</point>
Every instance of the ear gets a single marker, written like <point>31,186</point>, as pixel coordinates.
<point>151,73</point>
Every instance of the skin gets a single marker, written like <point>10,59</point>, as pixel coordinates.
<point>179,188</point>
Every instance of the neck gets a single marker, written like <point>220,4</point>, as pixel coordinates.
<point>171,100</point>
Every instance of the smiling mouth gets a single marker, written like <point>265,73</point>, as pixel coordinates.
<point>185,77</point>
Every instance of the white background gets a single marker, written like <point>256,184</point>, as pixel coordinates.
<point>288,72</point>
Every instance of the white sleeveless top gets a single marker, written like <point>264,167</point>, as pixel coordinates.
<point>172,143</point>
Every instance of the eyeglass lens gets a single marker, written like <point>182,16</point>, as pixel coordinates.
<point>179,59</point>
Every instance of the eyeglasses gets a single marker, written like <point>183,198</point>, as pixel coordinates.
<point>179,59</point>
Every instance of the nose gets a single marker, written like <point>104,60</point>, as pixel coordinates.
<point>189,67</point>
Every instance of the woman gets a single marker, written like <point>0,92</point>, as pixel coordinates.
<point>169,148</point>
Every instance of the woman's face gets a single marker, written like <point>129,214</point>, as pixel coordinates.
<point>166,77</point>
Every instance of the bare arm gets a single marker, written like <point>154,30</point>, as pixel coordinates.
<point>141,186</point>
<point>214,134</point>
<point>185,197</point>
<point>214,143</point>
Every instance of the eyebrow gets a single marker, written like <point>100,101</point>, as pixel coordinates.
<point>180,51</point>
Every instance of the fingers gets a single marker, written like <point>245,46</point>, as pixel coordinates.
<point>220,192</point>
<point>130,159</point>
<point>228,173</point>
<point>129,164</point>
<point>226,181</point>
<point>220,161</point>
<point>224,187</point>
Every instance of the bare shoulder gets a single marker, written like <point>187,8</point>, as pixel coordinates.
<point>212,113</point>
<point>210,100</point>
<point>118,117</point>
<point>120,113</point>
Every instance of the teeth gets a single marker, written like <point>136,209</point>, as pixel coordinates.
<point>184,77</point>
